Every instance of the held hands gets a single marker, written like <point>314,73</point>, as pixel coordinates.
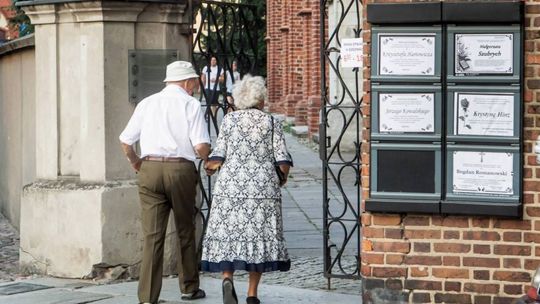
<point>212,166</point>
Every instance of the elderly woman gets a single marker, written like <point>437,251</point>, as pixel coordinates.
<point>245,228</point>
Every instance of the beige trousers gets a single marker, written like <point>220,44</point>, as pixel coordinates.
<point>164,186</point>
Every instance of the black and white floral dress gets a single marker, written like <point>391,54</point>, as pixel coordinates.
<point>245,227</point>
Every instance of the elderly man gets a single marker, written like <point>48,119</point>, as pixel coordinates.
<point>171,129</point>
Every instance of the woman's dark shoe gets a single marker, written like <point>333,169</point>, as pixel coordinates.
<point>229,294</point>
<point>253,300</point>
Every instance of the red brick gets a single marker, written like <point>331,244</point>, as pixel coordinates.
<point>373,258</point>
<point>511,276</point>
<point>512,250</point>
<point>533,211</point>
<point>423,285</point>
<point>373,232</point>
<point>512,263</point>
<point>422,234</point>
<point>393,233</point>
<point>452,286</point>
<point>394,259</point>
<point>513,289</point>
<point>453,298</point>
<point>482,249</point>
<point>422,260</point>
<point>419,271</point>
<point>445,273</point>
<point>422,247</point>
<point>448,235</point>
<point>481,235</point>
<point>389,272</point>
<point>452,247</point>
<point>481,262</point>
<point>416,221</point>
<point>451,261</point>
<point>512,236</point>
<point>481,275</point>
<point>502,300</point>
<point>454,221</point>
<point>481,222</point>
<point>481,288</point>
<point>532,264</point>
<point>391,247</point>
<point>532,237</point>
<point>482,300</point>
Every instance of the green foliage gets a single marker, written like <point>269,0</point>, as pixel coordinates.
<point>21,21</point>
<point>235,40</point>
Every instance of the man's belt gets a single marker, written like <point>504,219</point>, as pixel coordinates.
<point>166,159</point>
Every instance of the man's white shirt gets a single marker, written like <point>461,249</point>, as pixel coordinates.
<point>213,74</point>
<point>167,124</point>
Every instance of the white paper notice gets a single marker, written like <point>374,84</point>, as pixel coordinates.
<point>407,55</point>
<point>484,54</point>
<point>406,113</point>
<point>484,114</point>
<point>351,53</point>
<point>483,173</point>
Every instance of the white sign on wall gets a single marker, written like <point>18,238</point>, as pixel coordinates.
<point>483,173</point>
<point>484,54</point>
<point>407,55</point>
<point>352,53</point>
<point>406,113</point>
<point>484,114</point>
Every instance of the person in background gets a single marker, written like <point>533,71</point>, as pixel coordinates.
<point>245,226</point>
<point>232,78</point>
<point>212,75</point>
<point>171,130</point>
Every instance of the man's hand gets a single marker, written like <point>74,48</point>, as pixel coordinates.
<point>133,158</point>
<point>137,164</point>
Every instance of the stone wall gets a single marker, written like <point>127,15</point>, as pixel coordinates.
<point>457,259</point>
<point>17,127</point>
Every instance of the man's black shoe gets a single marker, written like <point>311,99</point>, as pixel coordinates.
<point>198,294</point>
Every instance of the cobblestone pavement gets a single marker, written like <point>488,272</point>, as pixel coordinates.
<point>302,212</point>
<point>303,225</point>
<point>9,250</point>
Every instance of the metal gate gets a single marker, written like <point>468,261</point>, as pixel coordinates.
<point>230,32</point>
<point>340,140</point>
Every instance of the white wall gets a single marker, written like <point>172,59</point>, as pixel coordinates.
<point>17,124</point>
<point>337,92</point>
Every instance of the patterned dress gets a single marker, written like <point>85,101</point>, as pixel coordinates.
<point>245,227</point>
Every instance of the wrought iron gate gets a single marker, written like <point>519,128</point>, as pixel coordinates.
<point>230,32</point>
<point>340,140</point>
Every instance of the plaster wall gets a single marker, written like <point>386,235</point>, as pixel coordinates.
<point>17,128</point>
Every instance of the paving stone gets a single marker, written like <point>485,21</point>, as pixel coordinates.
<point>20,287</point>
<point>302,216</point>
<point>53,296</point>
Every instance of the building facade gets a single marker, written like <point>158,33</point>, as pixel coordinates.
<point>414,257</point>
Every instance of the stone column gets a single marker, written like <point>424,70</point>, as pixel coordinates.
<point>84,210</point>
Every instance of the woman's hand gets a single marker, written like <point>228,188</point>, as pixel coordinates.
<point>285,169</point>
<point>212,166</point>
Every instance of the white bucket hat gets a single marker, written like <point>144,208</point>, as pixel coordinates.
<point>180,70</point>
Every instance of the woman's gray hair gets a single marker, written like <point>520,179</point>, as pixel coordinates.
<point>249,92</point>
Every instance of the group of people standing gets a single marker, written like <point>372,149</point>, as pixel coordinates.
<point>245,226</point>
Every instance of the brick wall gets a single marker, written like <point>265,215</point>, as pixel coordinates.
<point>457,259</point>
<point>293,60</point>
